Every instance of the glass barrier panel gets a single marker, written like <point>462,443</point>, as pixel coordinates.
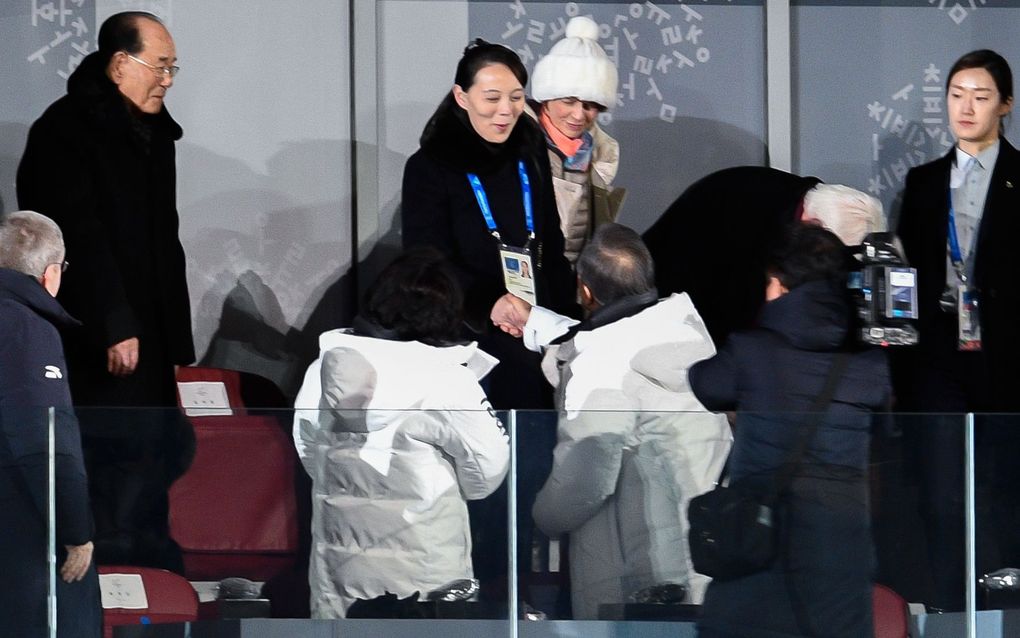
<point>601,499</point>
<point>997,510</point>
<point>363,516</point>
<point>33,447</point>
<point>602,524</point>
<point>919,518</point>
<point>866,524</point>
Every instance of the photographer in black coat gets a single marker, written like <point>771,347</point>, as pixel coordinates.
<point>820,582</point>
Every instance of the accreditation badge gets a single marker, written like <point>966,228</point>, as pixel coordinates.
<point>969,320</point>
<point>518,273</point>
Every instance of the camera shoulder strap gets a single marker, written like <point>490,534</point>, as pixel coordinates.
<point>806,431</point>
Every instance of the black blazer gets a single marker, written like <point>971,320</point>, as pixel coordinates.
<point>923,228</point>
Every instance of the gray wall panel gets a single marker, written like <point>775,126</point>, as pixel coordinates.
<point>692,85</point>
<point>264,167</point>
<point>869,86</point>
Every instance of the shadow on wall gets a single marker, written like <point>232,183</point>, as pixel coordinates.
<point>249,339</point>
<point>12,147</point>
<point>388,245</point>
<point>654,179</point>
<point>885,176</point>
<point>896,156</point>
<point>269,274</point>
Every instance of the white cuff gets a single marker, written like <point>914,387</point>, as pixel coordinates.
<point>543,327</point>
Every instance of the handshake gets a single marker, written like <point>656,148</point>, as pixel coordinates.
<point>510,313</point>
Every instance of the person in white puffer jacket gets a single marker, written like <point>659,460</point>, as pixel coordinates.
<point>634,444</point>
<point>397,434</point>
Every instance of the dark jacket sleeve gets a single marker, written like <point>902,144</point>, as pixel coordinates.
<point>55,178</point>
<point>32,370</point>
<point>714,381</point>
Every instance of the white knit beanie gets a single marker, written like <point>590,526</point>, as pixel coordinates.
<point>576,66</point>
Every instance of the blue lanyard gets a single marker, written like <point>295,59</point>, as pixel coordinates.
<point>483,202</point>
<point>954,244</point>
<point>954,241</point>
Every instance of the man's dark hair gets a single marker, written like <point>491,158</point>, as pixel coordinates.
<point>120,32</point>
<point>417,297</point>
<point>616,264</point>
<point>808,253</point>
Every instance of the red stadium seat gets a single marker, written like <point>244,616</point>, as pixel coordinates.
<point>890,613</point>
<point>171,599</point>
<point>235,511</point>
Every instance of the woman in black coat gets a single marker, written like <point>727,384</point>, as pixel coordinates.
<point>478,130</point>
<point>980,177</point>
<point>820,582</point>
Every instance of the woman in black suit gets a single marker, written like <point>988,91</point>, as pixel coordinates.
<point>478,131</point>
<point>967,205</point>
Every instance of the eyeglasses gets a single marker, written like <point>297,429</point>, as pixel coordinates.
<point>160,71</point>
<point>63,265</point>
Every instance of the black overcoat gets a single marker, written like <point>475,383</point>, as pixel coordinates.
<point>713,242</point>
<point>108,178</point>
<point>439,208</point>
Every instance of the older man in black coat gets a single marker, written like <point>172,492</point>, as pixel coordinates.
<point>31,382</point>
<point>100,162</point>
<point>714,240</point>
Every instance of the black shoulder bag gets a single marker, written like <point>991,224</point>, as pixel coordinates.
<point>732,529</point>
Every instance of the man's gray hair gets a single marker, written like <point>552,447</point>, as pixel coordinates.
<point>616,264</point>
<point>29,242</point>
<point>849,213</point>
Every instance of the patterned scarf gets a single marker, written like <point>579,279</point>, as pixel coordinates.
<point>576,153</point>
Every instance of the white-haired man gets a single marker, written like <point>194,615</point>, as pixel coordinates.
<point>714,240</point>
<point>32,380</point>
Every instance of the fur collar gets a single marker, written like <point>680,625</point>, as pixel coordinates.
<point>449,139</point>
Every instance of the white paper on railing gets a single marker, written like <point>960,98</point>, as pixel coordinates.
<point>122,591</point>
<point>204,398</point>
